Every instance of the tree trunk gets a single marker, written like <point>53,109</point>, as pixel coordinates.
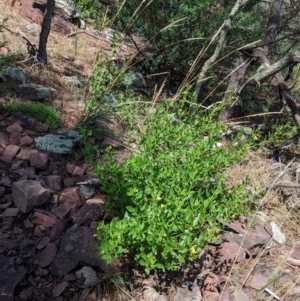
<point>267,70</point>
<point>223,33</point>
<point>42,53</point>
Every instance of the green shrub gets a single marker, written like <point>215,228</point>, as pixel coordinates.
<point>169,199</point>
<point>44,113</point>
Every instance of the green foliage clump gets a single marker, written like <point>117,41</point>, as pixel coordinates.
<point>169,199</point>
<point>44,113</point>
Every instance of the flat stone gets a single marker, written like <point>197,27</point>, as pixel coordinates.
<point>259,278</point>
<point>76,247</point>
<point>58,229</point>
<point>15,127</point>
<point>254,236</point>
<point>231,252</point>
<point>75,170</point>
<point>91,212</point>
<point>29,194</point>
<point>26,141</point>
<point>10,212</point>
<point>234,294</point>
<point>53,182</point>
<point>43,219</point>
<point>62,210</point>
<point>58,289</point>
<point>10,276</point>
<point>43,243</point>
<point>25,153</point>
<point>39,160</point>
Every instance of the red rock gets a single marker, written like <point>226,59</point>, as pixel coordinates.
<point>6,159</point>
<point>53,182</point>
<point>3,139</point>
<point>231,252</point>
<point>211,287</point>
<point>71,193</point>
<point>58,229</point>
<point>38,160</point>
<point>15,135</point>
<point>42,219</point>
<point>75,170</point>
<point>69,182</point>
<point>6,181</point>
<point>25,153</point>
<point>26,141</point>
<point>16,127</point>
<point>260,277</point>
<point>11,150</point>
<point>47,255</point>
<point>14,141</point>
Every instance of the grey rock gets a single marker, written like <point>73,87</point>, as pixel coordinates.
<point>87,191</point>
<point>245,130</point>
<point>62,143</point>
<point>31,92</point>
<point>134,80</point>
<point>110,100</point>
<point>276,233</point>
<point>73,80</point>
<point>68,6</point>
<point>190,291</point>
<point>88,274</point>
<point>76,247</point>
<point>10,276</point>
<point>14,74</point>
<point>29,194</point>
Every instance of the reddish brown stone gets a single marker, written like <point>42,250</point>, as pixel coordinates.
<point>60,288</point>
<point>231,252</point>
<point>25,153</point>
<point>69,182</point>
<point>47,255</point>
<point>6,181</point>
<point>53,182</point>
<point>26,141</point>
<point>75,170</point>
<point>16,127</point>
<point>71,193</point>
<point>42,219</point>
<point>38,160</point>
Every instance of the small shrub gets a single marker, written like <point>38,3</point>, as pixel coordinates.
<point>44,113</point>
<point>169,200</point>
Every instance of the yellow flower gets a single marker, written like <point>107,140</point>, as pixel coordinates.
<point>165,235</point>
<point>193,250</point>
<point>162,205</point>
<point>158,198</point>
<point>229,191</point>
<point>255,138</point>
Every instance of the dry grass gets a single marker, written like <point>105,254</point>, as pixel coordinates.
<point>67,56</point>
<point>276,205</point>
